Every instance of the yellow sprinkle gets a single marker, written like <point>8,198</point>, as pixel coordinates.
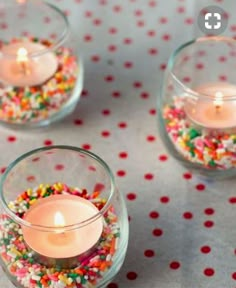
<point>13,250</point>
<point>43,192</point>
<point>41,186</point>
<point>29,192</point>
<point>63,278</point>
<point>31,202</point>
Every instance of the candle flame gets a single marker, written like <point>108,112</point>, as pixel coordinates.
<point>22,55</point>
<point>218,101</point>
<point>59,219</point>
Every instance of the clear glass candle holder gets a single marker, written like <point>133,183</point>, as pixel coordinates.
<point>63,223</point>
<point>197,106</point>
<point>41,74</point>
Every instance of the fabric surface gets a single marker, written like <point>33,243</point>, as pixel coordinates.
<point>182,227</point>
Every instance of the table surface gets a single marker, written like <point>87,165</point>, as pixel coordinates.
<point>182,228</point>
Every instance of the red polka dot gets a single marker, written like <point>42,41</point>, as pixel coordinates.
<point>131,196</point>
<point>205,249</point>
<point>123,155</point>
<point>109,78</point>
<point>116,94</point>
<point>200,187</point>
<point>97,22</point>
<point>209,272</point>
<point>152,111</point>
<point>163,20</point>
<point>112,285</point>
<point>149,253</point>
<point>127,41</point>
<point>187,215</point>
<point>78,122</point>
<point>186,79</point>
<point>209,211</point>
<point>189,20</point>
<point>153,51</point>
<point>11,138</point>
<point>232,200</point>
<point>88,38</point>
<point>223,77</point>
<point>106,112</point>
<point>140,23</point>
<point>157,232</point>
<point>30,178</point>
<point>112,48</point>
<point>48,142</point>
<point>117,8</point>
<point>3,169</point>
<point>181,9</point>
<point>113,30</point>
<point>151,33</point>
<point>152,3</point>
<point>105,133</point>
<point>148,176</point>
<point>151,138</point>
<point>138,12</point>
<point>154,214</point>
<point>166,37</point>
<point>59,167</point>
<point>84,93</point>
<point>128,64</point>
<point>234,275</point>
<point>121,173</point>
<point>132,275</point>
<point>187,176</point>
<point>122,125</point>
<point>163,66</point>
<point>174,265</point>
<point>86,146</point>
<point>95,58</point>
<point>163,157</point>
<point>164,199</point>
<point>209,224</point>
<point>137,84</point>
<point>144,95</point>
<point>92,168</point>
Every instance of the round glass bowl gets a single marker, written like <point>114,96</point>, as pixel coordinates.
<point>63,223</point>
<point>197,106</point>
<point>41,75</point>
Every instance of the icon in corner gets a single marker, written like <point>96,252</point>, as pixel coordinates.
<point>212,20</point>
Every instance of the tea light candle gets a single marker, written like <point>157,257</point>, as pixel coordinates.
<point>26,64</point>
<point>217,110</point>
<point>59,211</point>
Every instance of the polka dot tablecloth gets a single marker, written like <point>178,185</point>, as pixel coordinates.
<point>182,227</point>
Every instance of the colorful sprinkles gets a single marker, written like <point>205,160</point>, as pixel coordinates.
<point>35,103</point>
<point>18,257</point>
<point>210,149</point>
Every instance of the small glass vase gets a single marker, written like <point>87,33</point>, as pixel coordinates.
<point>41,75</point>
<point>63,223</point>
<point>196,108</point>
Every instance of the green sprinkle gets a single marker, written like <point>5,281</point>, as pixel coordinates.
<point>193,133</point>
<point>212,163</point>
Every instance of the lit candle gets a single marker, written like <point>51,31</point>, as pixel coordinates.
<point>60,211</point>
<point>26,64</point>
<point>216,109</point>
<point>22,60</point>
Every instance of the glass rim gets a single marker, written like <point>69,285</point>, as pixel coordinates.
<point>54,46</point>
<point>45,228</point>
<point>170,64</point>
